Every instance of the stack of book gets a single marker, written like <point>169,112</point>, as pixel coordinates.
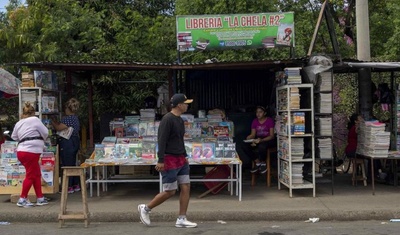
<point>293,75</point>
<point>298,123</point>
<point>323,126</point>
<point>297,152</point>
<point>373,140</point>
<point>323,103</point>
<point>297,173</point>
<point>324,82</point>
<point>27,80</point>
<point>324,148</point>
<point>214,118</point>
<point>147,115</point>
<point>294,98</point>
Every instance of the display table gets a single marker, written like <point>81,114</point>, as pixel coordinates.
<point>394,156</point>
<point>103,179</point>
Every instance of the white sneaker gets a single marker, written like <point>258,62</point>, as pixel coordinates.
<point>184,223</point>
<point>143,214</point>
<point>24,202</point>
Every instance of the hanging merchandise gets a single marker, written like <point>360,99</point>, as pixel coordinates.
<point>9,84</point>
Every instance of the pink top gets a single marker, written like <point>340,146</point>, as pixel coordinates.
<point>262,130</point>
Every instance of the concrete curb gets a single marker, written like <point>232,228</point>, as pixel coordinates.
<point>300,215</point>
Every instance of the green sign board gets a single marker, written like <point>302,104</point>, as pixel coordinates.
<point>210,32</point>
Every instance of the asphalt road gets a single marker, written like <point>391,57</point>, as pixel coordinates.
<point>212,228</point>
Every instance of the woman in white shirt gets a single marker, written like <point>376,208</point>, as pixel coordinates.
<point>30,134</point>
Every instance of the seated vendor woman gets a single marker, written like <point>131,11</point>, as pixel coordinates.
<point>263,136</point>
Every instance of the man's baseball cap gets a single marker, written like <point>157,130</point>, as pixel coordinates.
<point>179,99</point>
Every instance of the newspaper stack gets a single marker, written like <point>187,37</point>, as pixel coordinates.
<point>297,152</point>
<point>297,173</point>
<point>323,126</point>
<point>293,75</point>
<point>373,140</point>
<point>323,103</point>
<point>324,148</point>
<point>324,82</point>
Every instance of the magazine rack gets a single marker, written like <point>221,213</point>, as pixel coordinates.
<point>295,136</point>
<point>46,189</point>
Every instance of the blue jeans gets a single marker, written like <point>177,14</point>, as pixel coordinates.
<point>68,150</point>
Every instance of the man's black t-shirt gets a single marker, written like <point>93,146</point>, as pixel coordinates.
<point>171,136</point>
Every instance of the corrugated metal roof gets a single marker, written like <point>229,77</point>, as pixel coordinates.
<point>339,66</point>
<point>132,65</point>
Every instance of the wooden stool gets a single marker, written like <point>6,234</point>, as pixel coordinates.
<point>358,162</point>
<point>268,174</point>
<point>64,215</point>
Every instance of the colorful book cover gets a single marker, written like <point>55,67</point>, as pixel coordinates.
<point>208,150</point>
<point>156,126</point>
<point>47,161</point>
<point>3,178</point>
<point>188,129</point>
<point>142,128</point>
<point>22,174</point>
<point>148,150</point>
<point>9,177</point>
<point>231,127</point>
<point>109,152</point>
<point>43,79</point>
<point>135,150</point>
<point>197,149</point>
<point>204,128</point>
<point>229,150</point>
<point>221,131</point>
<point>188,148</point>
<point>151,129</point>
<point>121,151</point>
<point>219,150</point>
<point>47,167</point>
<point>99,151</point>
<point>14,178</point>
<point>132,130</point>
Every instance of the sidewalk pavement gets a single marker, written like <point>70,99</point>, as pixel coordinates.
<point>259,203</point>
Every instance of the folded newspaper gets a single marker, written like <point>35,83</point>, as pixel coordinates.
<point>66,133</point>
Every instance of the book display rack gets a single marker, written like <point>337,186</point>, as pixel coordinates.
<point>323,104</point>
<point>47,103</point>
<point>295,136</point>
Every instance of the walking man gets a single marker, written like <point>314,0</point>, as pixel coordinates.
<point>172,163</point>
